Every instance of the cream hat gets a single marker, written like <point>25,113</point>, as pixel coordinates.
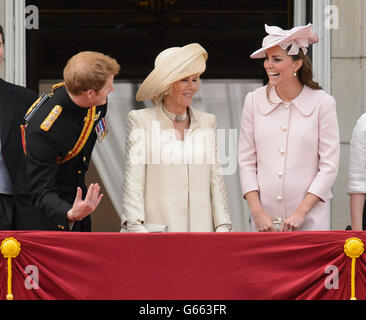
<point>298,38</point>
<point>172,65</point>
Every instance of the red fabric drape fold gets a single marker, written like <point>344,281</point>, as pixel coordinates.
<point>184,266</point>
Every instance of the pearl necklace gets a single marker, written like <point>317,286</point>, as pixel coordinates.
<point>175,117</point>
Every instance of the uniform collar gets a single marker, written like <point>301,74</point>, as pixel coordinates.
<point>68,104</point>
<point>305,102</point>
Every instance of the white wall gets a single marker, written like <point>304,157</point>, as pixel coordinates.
<point>348,66</point>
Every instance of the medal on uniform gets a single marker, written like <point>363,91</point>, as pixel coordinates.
<point>101,130</point>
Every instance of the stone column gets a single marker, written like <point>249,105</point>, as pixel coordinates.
<point>348,65</point>
<point>12,18</point>
<point>321,50</point>
<point>299,12</point>
<point>2,22</point>
<point>15,48</point>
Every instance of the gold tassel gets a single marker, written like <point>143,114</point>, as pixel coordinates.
<point>353,248</point>
<point>10,248</point>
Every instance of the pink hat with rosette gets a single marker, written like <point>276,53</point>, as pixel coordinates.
<point>300,37</point>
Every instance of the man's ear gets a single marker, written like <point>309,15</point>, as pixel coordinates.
<point>90,93</point>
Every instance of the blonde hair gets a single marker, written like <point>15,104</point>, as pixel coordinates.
<point>88,70</point>
<point>158,100</point>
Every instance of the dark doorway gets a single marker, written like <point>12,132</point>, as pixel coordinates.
<point>135,31</point>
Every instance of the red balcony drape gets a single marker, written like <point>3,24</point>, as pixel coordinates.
<point>183,266</point>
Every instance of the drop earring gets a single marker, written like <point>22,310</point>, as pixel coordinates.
<point>295,74</point>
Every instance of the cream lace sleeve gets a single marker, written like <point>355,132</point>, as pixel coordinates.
<point>133,192</point>
<point>219,201</point>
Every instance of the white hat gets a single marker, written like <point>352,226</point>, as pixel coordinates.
<point>298,38</point>
<point>172,65</point>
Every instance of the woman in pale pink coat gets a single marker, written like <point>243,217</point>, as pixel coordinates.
<point>289,140</point>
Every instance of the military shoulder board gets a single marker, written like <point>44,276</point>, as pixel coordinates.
<point>51,118</point>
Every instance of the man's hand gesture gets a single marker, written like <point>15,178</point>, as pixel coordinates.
<point>83,208</point>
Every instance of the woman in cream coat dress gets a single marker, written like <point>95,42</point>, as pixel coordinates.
<point>289,140</point>
<point>172,176</point>
<point>357,175</point>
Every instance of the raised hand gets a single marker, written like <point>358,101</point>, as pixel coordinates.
<point>82,208</point>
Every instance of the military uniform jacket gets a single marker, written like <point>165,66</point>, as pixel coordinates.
<point>14,102</point>
<point>46,186</point>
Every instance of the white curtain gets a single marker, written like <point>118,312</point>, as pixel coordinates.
<point>224,98</point>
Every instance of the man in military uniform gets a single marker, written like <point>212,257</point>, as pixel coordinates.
<point>58,138</point>
<point>14,102</point>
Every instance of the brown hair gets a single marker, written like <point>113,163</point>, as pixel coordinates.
<point>305,73</point>
<point>2,34</point>
<point>88,70</point>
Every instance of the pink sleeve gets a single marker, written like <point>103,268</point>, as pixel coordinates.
<point>328,150</point>
<point>247,155</point>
